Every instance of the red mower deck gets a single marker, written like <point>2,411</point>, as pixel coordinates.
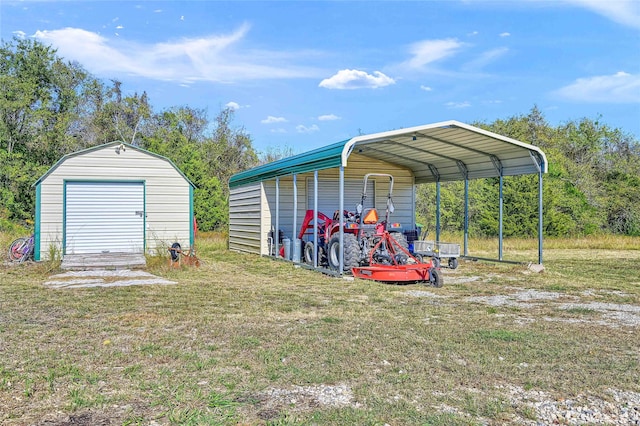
<point>395,273</point>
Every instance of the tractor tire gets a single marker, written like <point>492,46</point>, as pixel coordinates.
<point>307,254</point>
<point>435,279</point>
<point>351,252</point>
<point>400,239</point>
<point>453,263</point>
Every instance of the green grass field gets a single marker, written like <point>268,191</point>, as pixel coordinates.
<point>249,340</point>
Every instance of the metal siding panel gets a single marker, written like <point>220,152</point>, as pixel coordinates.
<point>328,194</point>
<point>286,204</point>
<point>265,221</point>
<point>403,200</point>
<point>101,217</point>
<point>245,218</point>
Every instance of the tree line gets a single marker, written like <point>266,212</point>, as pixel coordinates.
<point>50,107</point>
<point>592,185</point>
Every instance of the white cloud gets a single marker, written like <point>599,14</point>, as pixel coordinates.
<point>213,58</point>
<point>233,105</point>
<point>271,119</point>
<point>428,51</point>
<point>505,34</point>
<point>119,27</point>
<point>426,88</point>
<point>625,12</point>
<point>305,129</point>
<point>485,58</point>
<point>328,117</point>
<point>19,34</point>
<point>356,79</point>
<point>618,88</point>
<point>473,33</point>
<point>456,105</point>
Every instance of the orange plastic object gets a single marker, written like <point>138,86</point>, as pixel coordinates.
<point>371,217</point>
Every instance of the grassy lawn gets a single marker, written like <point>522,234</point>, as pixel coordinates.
<point>248,340</point>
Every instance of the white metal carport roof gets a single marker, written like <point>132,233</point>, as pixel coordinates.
<point>439,152</point>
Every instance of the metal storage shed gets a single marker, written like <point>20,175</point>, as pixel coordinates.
<point>271,197</point>
<point>113,198</point>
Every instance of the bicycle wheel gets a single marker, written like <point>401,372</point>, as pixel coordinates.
<point>16,250</point>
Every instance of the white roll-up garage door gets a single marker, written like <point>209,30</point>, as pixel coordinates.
<point>104,217</point>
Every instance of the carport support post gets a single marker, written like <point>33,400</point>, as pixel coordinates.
<point>498,166</point>
<point>537,160</point>
<point>438,210</point>
<point>276,232</point>
<point>341,254</point>
<point>436,174</point>
<point>466,216</point>
<point>500,219</point>
<point>315,219</point>
<point>539,214</point>
<point>465,174</point>
<point>294,237</point>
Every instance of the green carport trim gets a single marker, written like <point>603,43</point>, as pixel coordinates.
<point>192,218</point>
<point>36,226</point>
<point>319,159</point>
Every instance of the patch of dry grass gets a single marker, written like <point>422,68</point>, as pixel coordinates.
<point>218,347</point>
<point>526,249</point>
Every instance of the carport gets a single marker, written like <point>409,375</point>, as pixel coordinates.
<point>432,153</point>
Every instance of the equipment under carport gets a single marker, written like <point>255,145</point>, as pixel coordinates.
<point>371,248</point>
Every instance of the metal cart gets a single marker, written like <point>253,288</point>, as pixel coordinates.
<point>438,251</point>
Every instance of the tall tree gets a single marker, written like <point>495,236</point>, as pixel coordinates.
<point>229,150</point>
<point>39,99</point>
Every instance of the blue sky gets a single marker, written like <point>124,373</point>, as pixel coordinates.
<point>302,74</point>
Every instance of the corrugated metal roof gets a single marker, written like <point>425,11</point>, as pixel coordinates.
<point>444,151</point>
<point>322,158</point>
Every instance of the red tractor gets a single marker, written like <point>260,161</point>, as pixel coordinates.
<point>373,249</point>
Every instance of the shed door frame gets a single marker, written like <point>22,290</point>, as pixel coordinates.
<point>141,203</point>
